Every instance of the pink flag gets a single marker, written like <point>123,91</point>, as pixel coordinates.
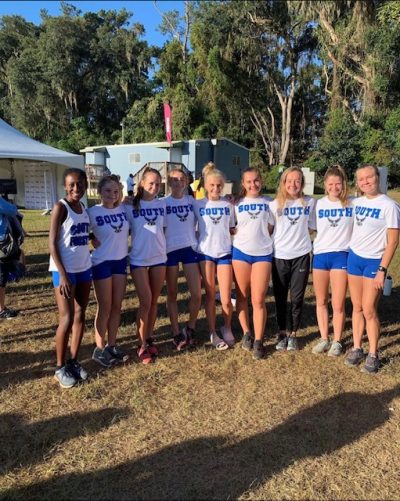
<point>168,122</point>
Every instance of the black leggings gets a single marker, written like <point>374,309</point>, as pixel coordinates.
<point>290,274</point>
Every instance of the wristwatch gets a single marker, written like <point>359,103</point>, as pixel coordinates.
<point>382,268</point>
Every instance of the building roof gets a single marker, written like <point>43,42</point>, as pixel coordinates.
<point>16,145</point>
<point>163,144</point>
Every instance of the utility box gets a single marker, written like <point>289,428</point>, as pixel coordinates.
<point>309,178</point>
<point>383,182</point>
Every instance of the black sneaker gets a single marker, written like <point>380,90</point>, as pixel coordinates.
<point>8,314</point>
<point>258,350</point>
<point>75,368</point>
<point>103,357</point>
<point>247,341</point>
<point>117,353</point>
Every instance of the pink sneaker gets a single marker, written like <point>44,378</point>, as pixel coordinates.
<point>144,355</point>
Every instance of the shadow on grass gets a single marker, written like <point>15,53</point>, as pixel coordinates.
<point>16,367</point>
<point>214,468</point>
<point>21,336</point>
<point>24,444</point>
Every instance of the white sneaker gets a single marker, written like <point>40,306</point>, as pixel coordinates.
<point>321,347</point>
<point>218,343</point>
<point>228,336</point>
<point>335,349</point>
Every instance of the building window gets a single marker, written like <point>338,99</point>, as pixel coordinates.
<point>236,160</point>
<point>134,158</point>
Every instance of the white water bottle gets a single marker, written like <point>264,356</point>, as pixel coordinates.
<point>387,287</point>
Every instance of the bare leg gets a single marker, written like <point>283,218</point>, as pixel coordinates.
<point>242,272</point>
<point>172,293</point>
<point>321,289</point>
<point>141,280</point>
<point>157,278</point>
<point>208,271</point>
<point>260,276</point>
<point>225,277</point>
<point>82,292</point>
<point>118,293</point>
<point>193,279</point>
<point>66,315</point>
<point>358,321</point>
<point>103,293</point>
<point>370,299</point>
<point>338,288</point>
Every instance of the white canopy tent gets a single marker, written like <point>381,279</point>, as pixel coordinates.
<point>36,167</point>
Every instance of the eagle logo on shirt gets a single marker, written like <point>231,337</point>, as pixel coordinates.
<point>117,229</point>
<point>182,218</point>
<point>151,221</point>
<point>254,215</point>
<point>334,222</point>
<point>293,220</point>
<point>360,220</point>
<point>216,220</point>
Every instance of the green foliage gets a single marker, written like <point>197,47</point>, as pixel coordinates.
<point>271,177</point>
<point>90,66</point>
<point>340,144</point>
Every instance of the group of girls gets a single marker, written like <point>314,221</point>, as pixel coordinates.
<point>220,239</point>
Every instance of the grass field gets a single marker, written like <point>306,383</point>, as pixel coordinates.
<point>203,424</point>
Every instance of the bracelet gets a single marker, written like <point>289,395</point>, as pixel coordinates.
<point>382,268</point>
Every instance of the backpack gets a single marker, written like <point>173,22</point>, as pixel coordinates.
<point>11,237</point>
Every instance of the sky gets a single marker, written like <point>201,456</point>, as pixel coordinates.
<point>144,12</point>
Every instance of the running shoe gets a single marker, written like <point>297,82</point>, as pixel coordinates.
<point>152,347</point>
<point>292,344</point>
<point>75,368</point>
<point>116,352</point>
<point>322,346</point>
<point>355,357</point>
<point>8,314</point>
<point>247,341</point>
<point>144,355</point>
<point>335,350</point>
<point>103,357</point>
<point>258,350</point>
<point>282,343</point>
<point>371,365</point>
<point>65,378</point>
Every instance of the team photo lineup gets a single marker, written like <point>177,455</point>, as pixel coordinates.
<point>247,240</point>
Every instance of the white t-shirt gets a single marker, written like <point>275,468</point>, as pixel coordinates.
<point>291,224</point>
<point>334,225</point>
<point>252,219</point>
<point>111,229</point>
<point>73,242</point>
<point>147,233</point>
<point>372,218</point>
<point>215,218</point>
<point>180,223</point>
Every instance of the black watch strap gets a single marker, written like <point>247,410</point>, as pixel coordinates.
<point>382,268</point>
